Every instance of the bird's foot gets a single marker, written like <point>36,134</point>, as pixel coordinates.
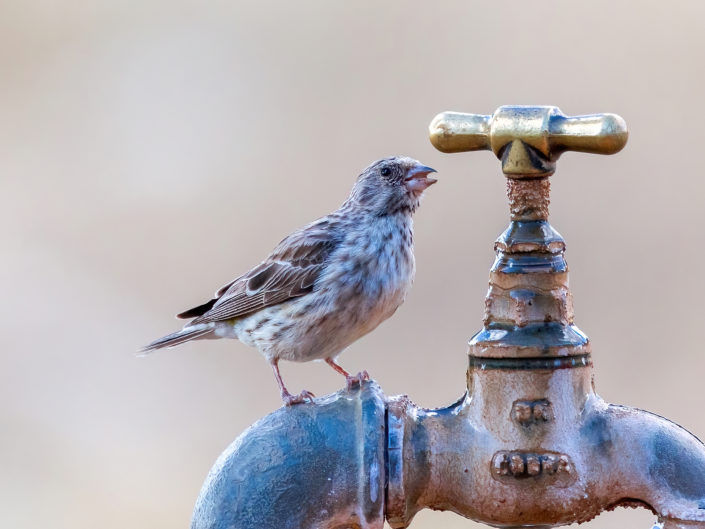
<point>290,400</point>
<point>352,381</point>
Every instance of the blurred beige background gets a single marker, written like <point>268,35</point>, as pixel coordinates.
<point>150,151</point>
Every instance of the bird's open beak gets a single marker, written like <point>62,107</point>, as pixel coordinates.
<point>417,179</point>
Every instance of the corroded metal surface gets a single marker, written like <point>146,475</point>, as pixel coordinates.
<point>529,307</point>
<point>529,444</point>
<point>522,447</point>
<point>539,447</point>
<point>528,199</point>
<point>542,448</point>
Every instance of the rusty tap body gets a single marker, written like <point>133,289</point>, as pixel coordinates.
<point>530,443</point>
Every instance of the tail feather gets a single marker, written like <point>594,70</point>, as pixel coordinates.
<point>184,335</point>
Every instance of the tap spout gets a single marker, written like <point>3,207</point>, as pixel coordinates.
<point>505,458</point>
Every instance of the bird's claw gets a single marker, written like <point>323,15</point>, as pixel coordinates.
<point>290,400</point>
<point>352,381</point>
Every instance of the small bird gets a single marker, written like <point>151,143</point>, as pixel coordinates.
<point>327,284</point>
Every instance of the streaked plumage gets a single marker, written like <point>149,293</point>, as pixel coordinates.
<point>327,284</point>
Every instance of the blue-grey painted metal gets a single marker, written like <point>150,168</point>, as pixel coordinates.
<point>529,444</point>
<point>314,465</point>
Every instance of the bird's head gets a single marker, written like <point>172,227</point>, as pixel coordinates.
<point>392,185</point>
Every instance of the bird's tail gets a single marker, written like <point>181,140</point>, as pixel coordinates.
<point>186,334</point>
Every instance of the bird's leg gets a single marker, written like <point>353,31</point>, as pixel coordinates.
<point>287,397</point>
<point>350,380</point>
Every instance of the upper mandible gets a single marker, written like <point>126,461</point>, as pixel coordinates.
<point>528,139</point>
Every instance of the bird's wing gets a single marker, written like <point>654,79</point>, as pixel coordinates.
<point>290,271</point>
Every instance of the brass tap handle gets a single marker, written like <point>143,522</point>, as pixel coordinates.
<point>528,139</point>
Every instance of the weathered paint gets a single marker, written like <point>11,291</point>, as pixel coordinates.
<point>529,444</point>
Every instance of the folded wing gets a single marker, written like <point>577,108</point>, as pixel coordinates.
<point>290,271</point>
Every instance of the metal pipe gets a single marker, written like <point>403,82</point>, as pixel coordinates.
<point>311,466</point>
<point>529,444</point>
<point>506,460</point>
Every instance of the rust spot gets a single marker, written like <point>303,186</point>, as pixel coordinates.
<point>522,412</point>
<point>564,465</point>
<point>542,411</point>
<point>528,199</point>
<point>517,464</point>
<point>500,464</point>
<point>533,465</point>
<point>549,464</point>
<point>532,412</point>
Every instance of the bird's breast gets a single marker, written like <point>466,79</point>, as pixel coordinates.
<point>374,267</point>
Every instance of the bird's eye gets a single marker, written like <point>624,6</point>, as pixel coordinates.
<point>386,171</point>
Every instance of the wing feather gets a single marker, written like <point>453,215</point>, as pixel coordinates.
<point>290,271</point>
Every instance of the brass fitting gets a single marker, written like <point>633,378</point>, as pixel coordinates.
<point>528,139</point>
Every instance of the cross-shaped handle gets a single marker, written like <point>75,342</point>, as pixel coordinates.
<point>528,139</point>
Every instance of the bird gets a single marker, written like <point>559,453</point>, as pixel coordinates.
<point>325,285</point>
